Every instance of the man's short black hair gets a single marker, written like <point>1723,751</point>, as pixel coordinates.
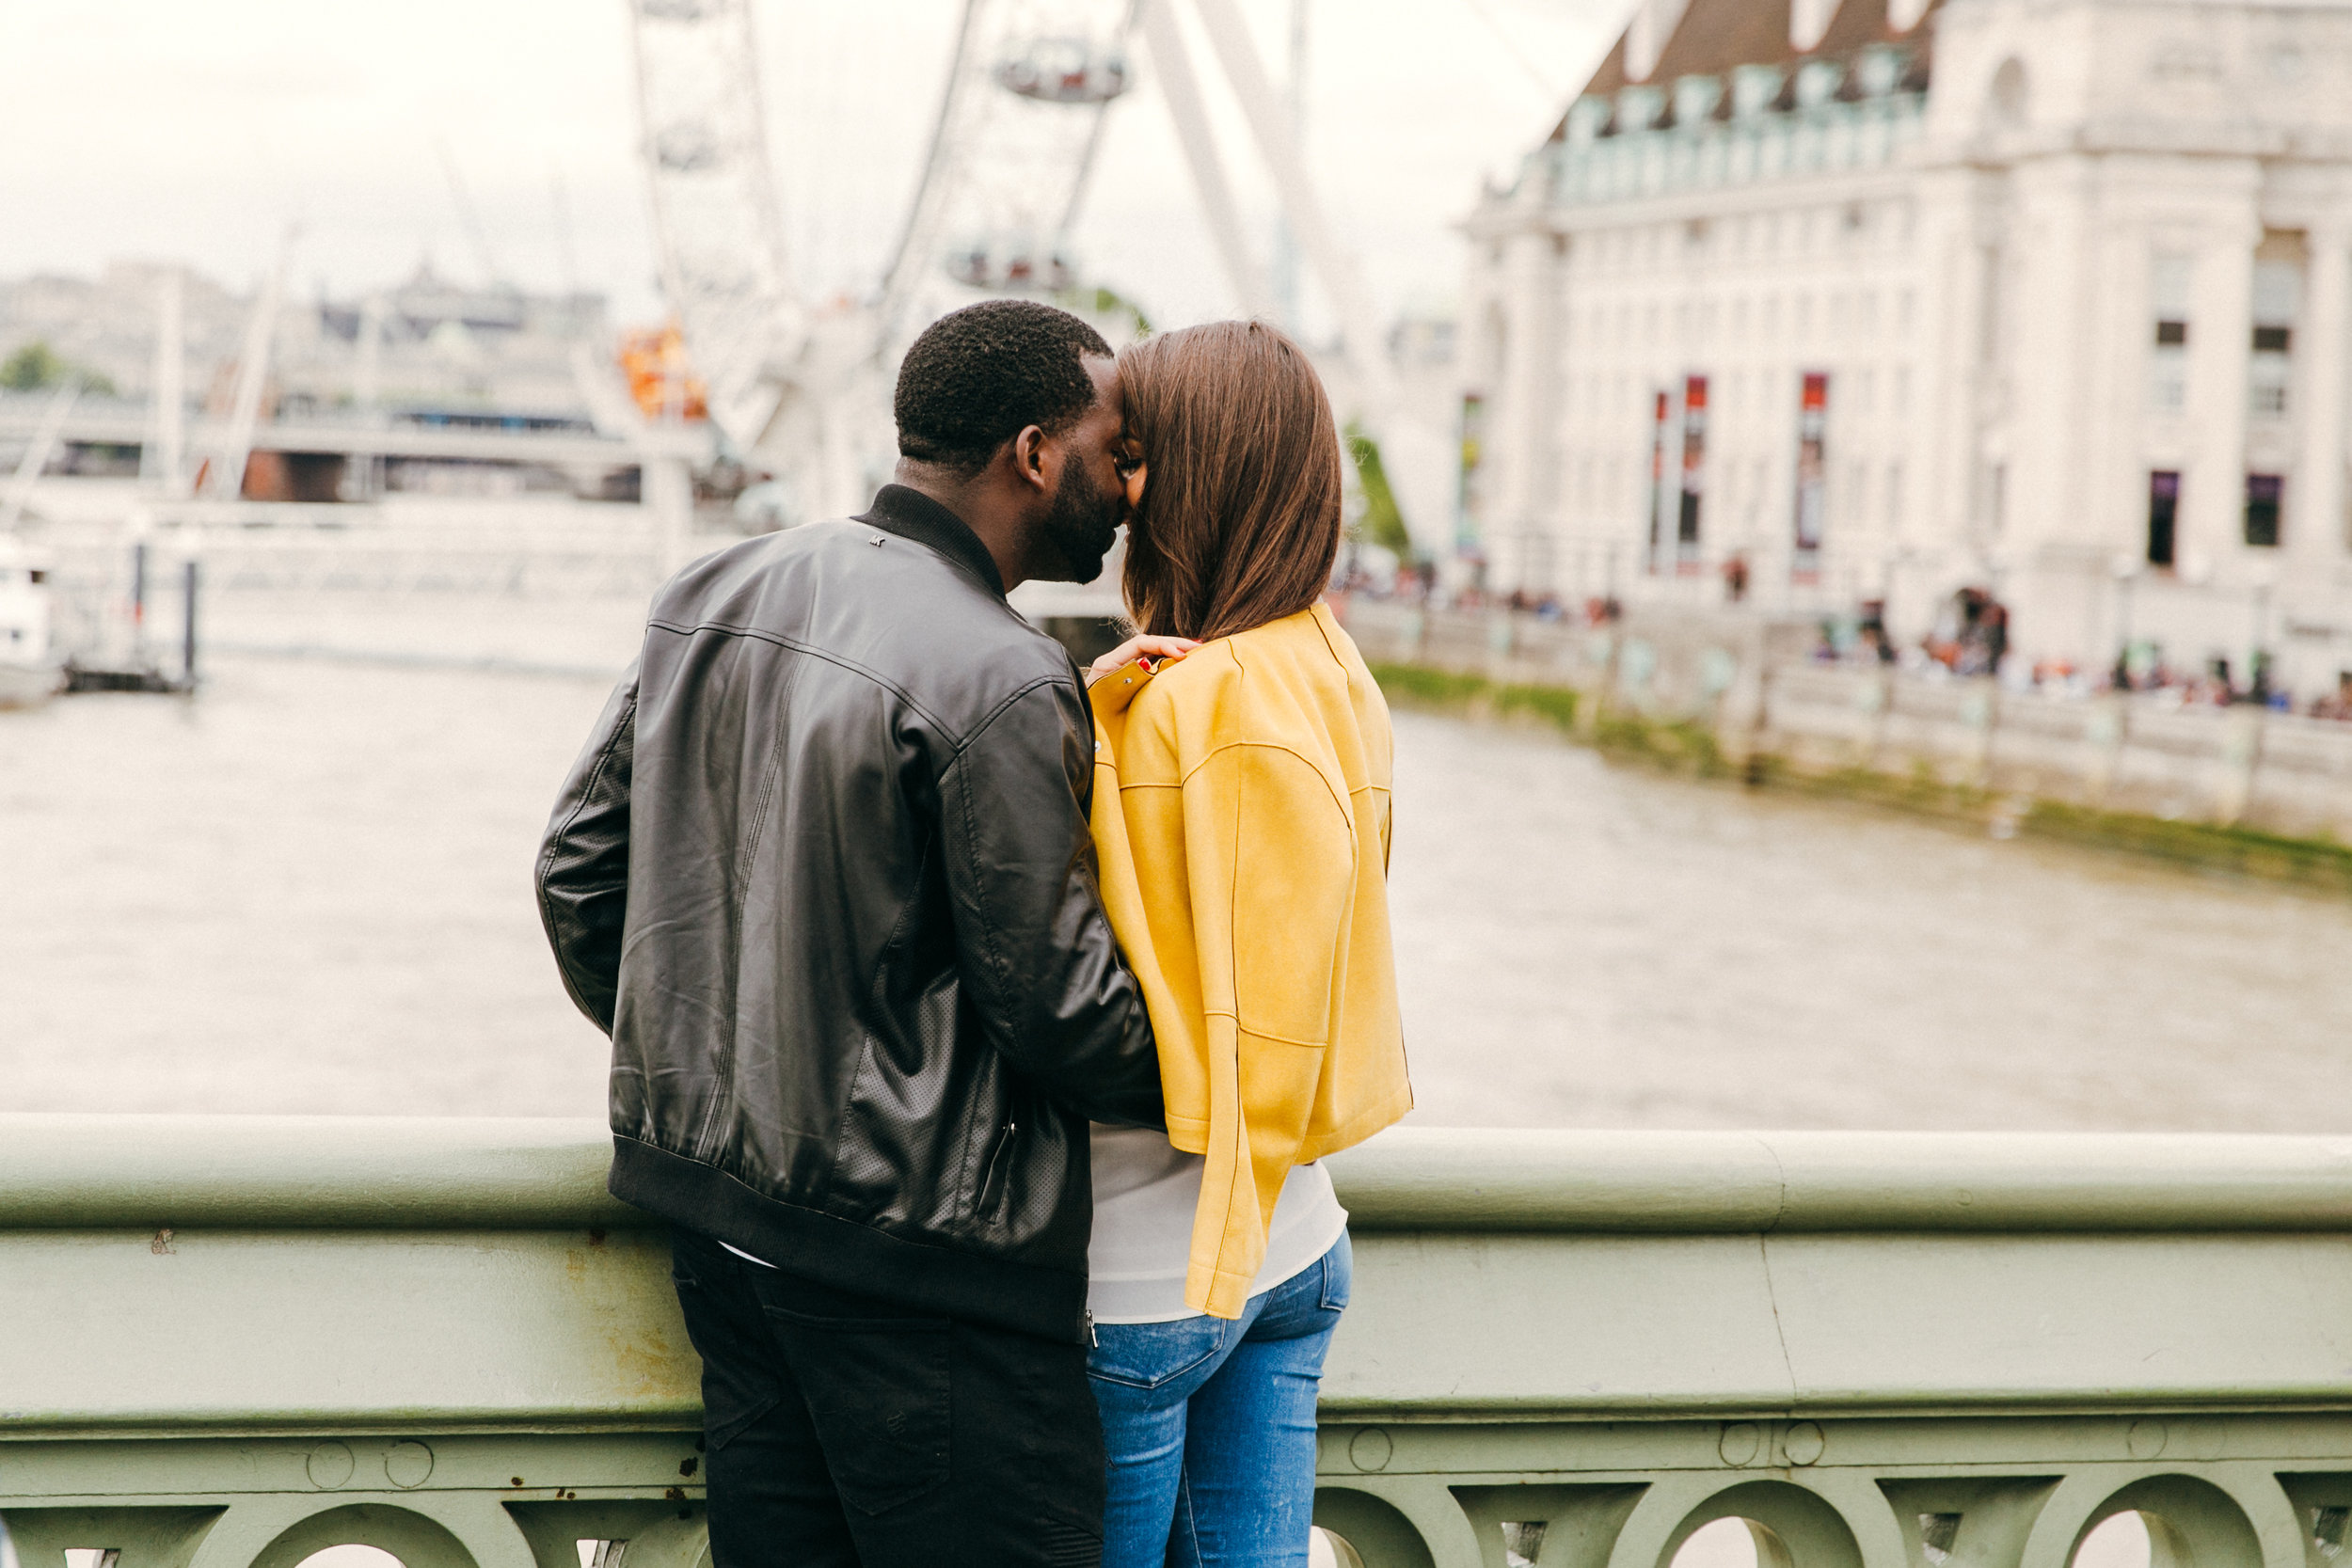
<point>978,377</point>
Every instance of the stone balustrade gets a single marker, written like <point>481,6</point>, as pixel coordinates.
<point>232,1343</point>
<point>1750,679</point>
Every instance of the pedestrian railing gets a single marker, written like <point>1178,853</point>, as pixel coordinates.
<point>234,1342</point>
<point>1757,689</point>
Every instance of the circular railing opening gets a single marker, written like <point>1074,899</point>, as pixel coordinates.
<point>1326,1550</point>
<point>2119,1540</point>
<point>353,1555</point>
<point>1724,1544</point>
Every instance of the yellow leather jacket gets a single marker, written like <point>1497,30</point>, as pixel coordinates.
<point>1241,816</point>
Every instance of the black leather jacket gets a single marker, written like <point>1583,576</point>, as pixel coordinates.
<point>823,873</point>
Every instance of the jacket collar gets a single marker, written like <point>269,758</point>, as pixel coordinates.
<point>912,515</point>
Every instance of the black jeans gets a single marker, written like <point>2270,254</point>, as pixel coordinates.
<point>845,1430</point>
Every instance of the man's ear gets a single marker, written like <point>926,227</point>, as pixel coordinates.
<point>1029,456</point>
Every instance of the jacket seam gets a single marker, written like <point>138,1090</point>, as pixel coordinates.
<point>725,1064</point>
<point>972,868</point>
<point>963,805</point>
<point>1330,647</point>
<point>1242,1167</point>
<point>865,1036</point>
<point>1240,1027</point>
<point>1161,783</point>
<point>995,713</point>
<point>759,812</point>
<point>759,634</point>
<point>1338,801</point>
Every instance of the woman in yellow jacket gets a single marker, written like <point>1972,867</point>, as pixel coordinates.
<point>1241,820</point>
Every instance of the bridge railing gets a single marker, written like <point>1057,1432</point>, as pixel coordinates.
<point>232,1343</point>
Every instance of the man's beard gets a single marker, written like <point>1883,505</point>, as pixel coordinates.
<point>1080,527</point>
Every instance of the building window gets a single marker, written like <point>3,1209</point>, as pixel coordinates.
<point>1693,469</point>
<point>2277,295</point>
<point>2164,512</point>
<point>2167,392</point>
<point>2168,388</point>
<point>1661,405</point>
<point>2262,509</point>
<point>2268,372</point>
<point>1812,467</point>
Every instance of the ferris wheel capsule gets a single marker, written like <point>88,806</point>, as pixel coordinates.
<point>686,147</point>
<point>1063,69</point>
<point>1010,266</point>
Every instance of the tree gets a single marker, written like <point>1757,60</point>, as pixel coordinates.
<point>32,367</point>
<point>1382,524</point>
<point>36,366</point>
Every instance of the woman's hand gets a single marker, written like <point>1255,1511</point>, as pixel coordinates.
<point>1139,649</point>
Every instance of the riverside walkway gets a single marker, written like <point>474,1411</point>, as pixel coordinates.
<point>230,1342</point>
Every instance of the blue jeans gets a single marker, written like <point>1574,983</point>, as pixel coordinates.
<point>1210,1424</point>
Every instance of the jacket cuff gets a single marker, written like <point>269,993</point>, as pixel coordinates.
<point>1110,694</point>
<point>1217,1292</point>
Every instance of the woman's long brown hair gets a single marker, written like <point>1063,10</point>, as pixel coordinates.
<point>1240,519</point>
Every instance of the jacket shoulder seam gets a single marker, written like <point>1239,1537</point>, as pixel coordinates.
<point>779,639</point>
<point>995,713</point>
<point>1338,801</point>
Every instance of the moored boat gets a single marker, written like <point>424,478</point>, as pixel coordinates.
<point>30,672</point>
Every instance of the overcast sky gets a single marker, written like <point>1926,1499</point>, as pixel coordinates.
<point>197,130</point>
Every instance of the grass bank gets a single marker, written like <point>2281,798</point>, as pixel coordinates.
<point>1688,748</point>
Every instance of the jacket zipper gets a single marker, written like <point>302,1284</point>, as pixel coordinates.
<point>995,1162</point>
<point>1091,1338</point>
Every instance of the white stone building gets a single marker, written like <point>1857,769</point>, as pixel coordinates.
<point>2065,280</point>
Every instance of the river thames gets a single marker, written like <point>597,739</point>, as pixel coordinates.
<point>309,890</point>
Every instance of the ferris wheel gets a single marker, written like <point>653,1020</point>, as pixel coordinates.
<point>721,241</point>
<point>1019,127</point>
<point>1027,97</point>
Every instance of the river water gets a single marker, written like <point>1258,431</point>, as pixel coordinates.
<point>308,889</point>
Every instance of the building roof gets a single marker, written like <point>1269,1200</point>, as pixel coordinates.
<point>1715,36</point>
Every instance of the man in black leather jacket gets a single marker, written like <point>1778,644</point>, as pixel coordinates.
<point>823,873</point>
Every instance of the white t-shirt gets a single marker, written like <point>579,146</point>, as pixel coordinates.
<point>1145,1194</point>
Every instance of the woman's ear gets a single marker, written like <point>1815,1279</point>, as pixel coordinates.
<point>1135,484</point>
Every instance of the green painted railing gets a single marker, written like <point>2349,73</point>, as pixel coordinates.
<point>230,1342</point>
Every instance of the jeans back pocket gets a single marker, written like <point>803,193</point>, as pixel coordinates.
<point>1151,1355</point>
<point>880,1392</point>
